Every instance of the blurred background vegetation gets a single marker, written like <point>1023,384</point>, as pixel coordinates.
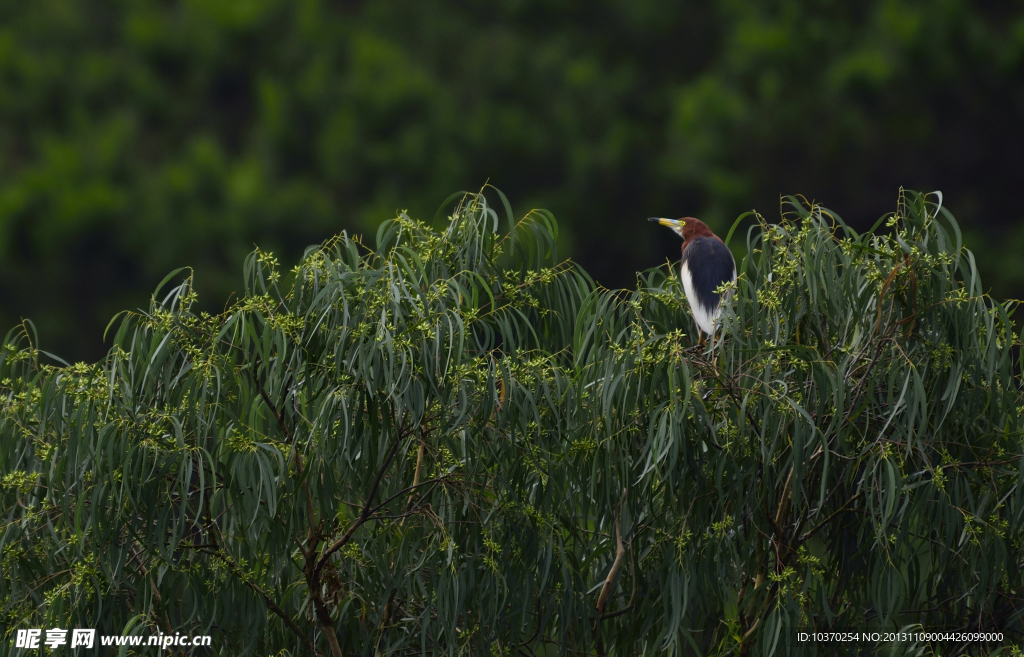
<point>141,136</point>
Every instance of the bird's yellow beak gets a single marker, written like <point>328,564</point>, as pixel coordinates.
<point>674,224</point>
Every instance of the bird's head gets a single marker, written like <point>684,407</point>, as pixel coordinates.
<point>687,227</point>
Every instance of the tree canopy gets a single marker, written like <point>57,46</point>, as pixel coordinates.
<point>137,137</point>
<point>453,442</point>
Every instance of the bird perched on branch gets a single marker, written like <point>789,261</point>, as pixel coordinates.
<point>707,263</point>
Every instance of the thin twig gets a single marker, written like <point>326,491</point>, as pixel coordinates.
<point>814,530</point>
<point>406,490</point>
<point>535,634</point>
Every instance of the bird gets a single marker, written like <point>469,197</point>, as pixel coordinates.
<point>707,263</point>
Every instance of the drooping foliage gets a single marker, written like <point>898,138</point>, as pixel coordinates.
<point>454,443</point>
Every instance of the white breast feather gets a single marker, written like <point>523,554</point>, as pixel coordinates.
<point>706,318</point>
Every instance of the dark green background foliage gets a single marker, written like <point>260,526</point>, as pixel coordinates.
<point>438,444</point>
<point>137,137</point>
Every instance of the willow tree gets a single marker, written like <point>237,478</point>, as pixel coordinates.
<point>453,443</point>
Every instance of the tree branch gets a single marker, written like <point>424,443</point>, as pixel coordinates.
<point>613,574</point>
<point>406,490</point>
<point>312,538</point>
<point>827,520</point>
<point>620,554</point>
<point>364,515</point>
<point>267,600</point>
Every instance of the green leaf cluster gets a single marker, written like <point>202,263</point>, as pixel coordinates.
<point>452,442</point>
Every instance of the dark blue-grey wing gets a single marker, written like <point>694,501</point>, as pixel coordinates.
<point>710,264</point>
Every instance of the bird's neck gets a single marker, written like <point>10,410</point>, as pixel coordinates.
<point>688,239</point>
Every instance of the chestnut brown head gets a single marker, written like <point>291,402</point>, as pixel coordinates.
<point>687,227</point>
